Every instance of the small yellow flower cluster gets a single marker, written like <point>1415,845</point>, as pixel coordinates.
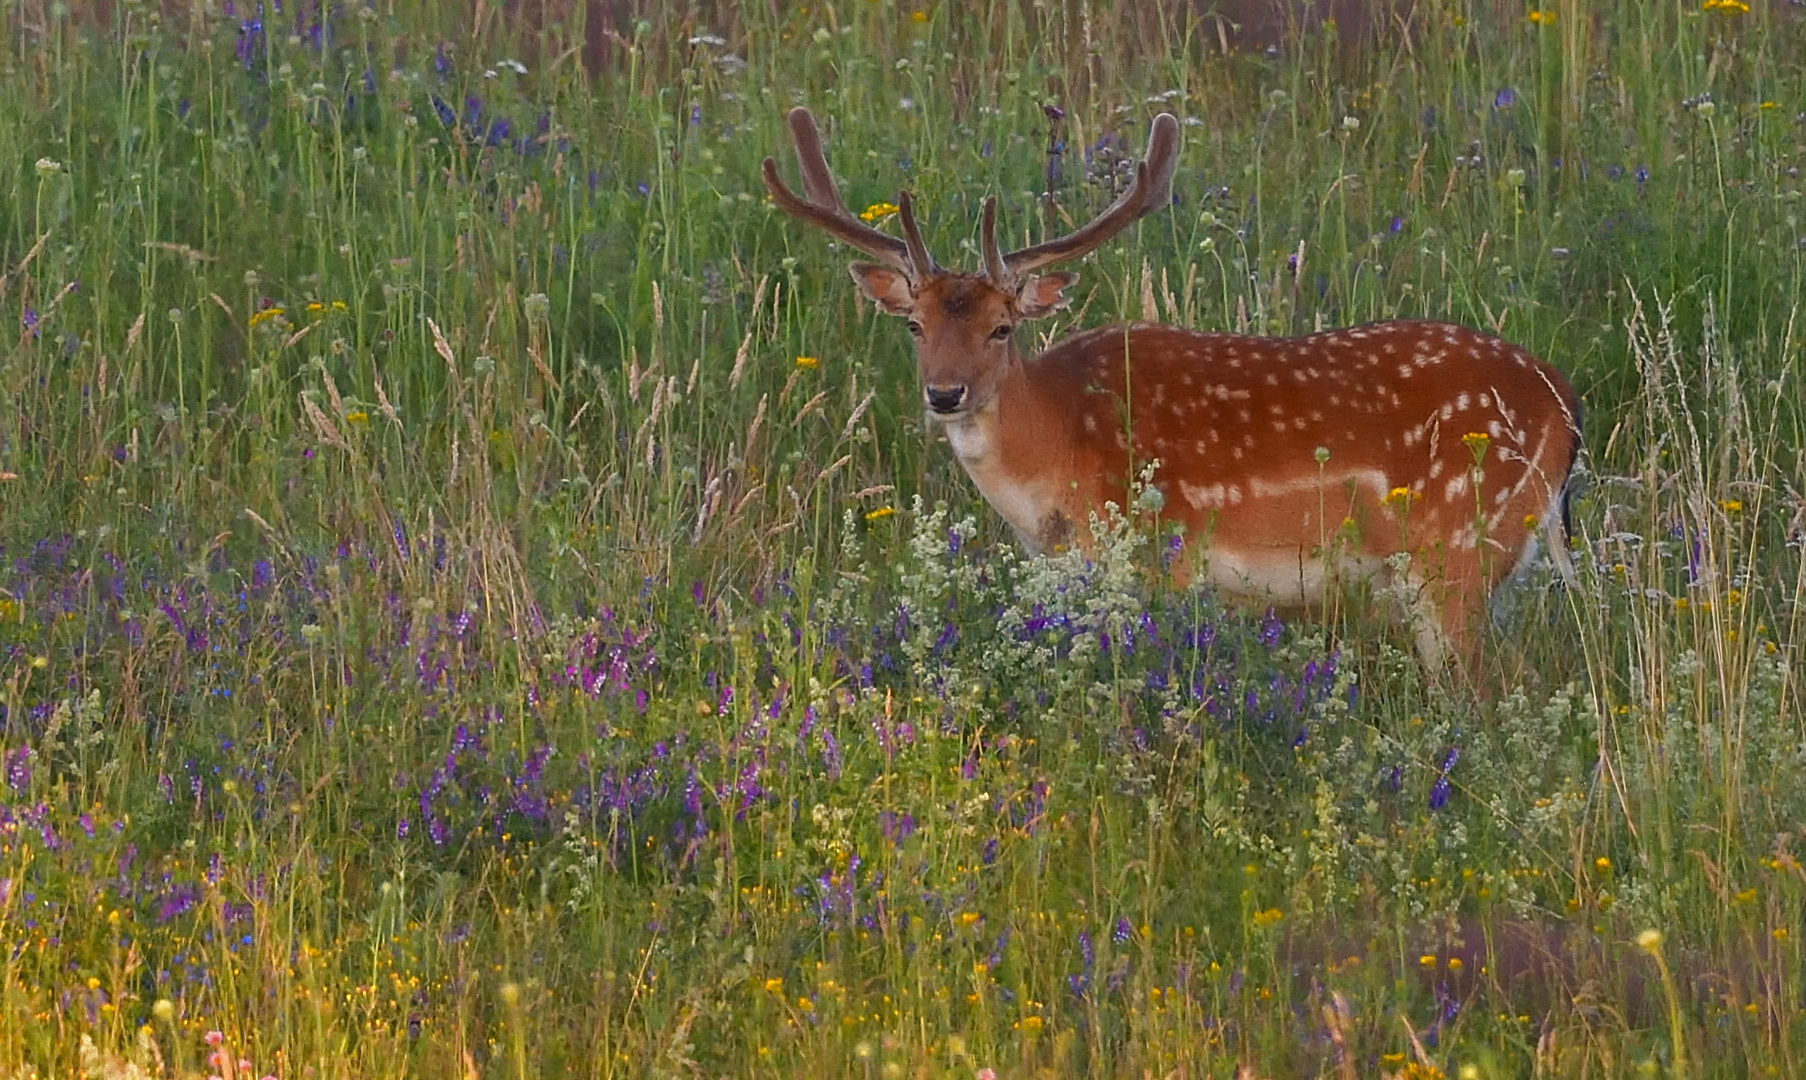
<point>266,315</point>
<point>1729,7</point>
<point>1268,917</point>
<point>806,362</point>
<point>877,211</point>
<point>1543,18</point>
<point>880,513</point>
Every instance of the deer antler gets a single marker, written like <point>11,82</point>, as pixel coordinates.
<point>1152,189</point>
<point>823,206</point>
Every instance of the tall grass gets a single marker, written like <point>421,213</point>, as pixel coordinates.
<point>479,597</point>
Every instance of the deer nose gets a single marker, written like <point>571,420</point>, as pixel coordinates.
<point>945,399</point>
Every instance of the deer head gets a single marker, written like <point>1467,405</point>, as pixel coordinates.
<point>963,323</point>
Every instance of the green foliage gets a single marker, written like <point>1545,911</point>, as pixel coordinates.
<point>478,597</point>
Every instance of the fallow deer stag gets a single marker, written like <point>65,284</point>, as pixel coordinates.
<point>1422,457</point>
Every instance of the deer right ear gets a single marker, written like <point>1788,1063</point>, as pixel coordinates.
<point>885,286</point>
<point>1044,294</point>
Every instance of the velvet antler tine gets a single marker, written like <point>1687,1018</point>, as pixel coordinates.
<point>1151,190</point>
<point>818,182</point>
<point>912,237</point>
<point>994,266</point>
<point>823,206</point>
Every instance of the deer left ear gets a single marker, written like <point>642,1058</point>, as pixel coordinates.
<point>1043,294</point>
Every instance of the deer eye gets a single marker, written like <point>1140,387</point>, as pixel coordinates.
<point>915,328</point>
<point>1002,332</point>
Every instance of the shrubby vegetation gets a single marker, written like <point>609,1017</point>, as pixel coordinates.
<point>479,597</point>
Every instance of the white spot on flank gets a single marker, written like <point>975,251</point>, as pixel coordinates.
<point>1457,487</point>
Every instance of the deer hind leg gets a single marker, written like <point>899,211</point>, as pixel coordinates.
<point>1435,593</point>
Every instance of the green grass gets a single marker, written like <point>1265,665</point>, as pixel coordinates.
<point>445,629</point>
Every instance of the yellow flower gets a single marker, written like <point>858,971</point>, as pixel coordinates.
<point>357,416</point>
<point>920,16</point>
<point>1454,963</point>
<point>877,211</point>
<point>774,986</point>
<point>266,315</point>
<point>1546,18</point>
<point>339,305</point>
<point>1268,917</point>
<point>315,307</point>
<point>1426,960</point>
<point>1649,940</point>
<point>1602,863</point>
<point>806,362</point>
<point>1031,1023</point>
<point>881,512</point>
<point>1729,7</point>
<point>1731,506</point>
<point>1477,441</point>
<point>1530,521</point>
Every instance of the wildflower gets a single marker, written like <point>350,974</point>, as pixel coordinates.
<point>774,985</point>
<point>880,513</point>
<point>1544,18</point>
<point>1427,960</point>
<point>1351,123</point>
<point>1455,963</point>
<point>878,211</point>
<point>919,16</point>
<point>1268,917</point>
<point>357,416</point>
<point>1602,863</point>
<point>266,315</point>
<point>1402,496</point>
<point>48,166</point>
<point>1729,7</point>
<point>1650,941</point>
<point>1731,506</point>
<point>1505,98</point>
<point>314,307</point>
<point>1477,442</point>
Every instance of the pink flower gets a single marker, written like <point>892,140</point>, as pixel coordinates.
<point>987,1073</point>
<point>214,1038</point>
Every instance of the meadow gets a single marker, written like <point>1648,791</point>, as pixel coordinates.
<point>479,596</point>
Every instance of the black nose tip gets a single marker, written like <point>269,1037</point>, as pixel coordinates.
<point>945,399</point>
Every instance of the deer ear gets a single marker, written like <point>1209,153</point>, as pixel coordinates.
<point>885,286</point>
<point>1044,294</point>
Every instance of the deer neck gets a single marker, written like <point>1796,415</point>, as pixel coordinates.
<point>1010,447</point>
